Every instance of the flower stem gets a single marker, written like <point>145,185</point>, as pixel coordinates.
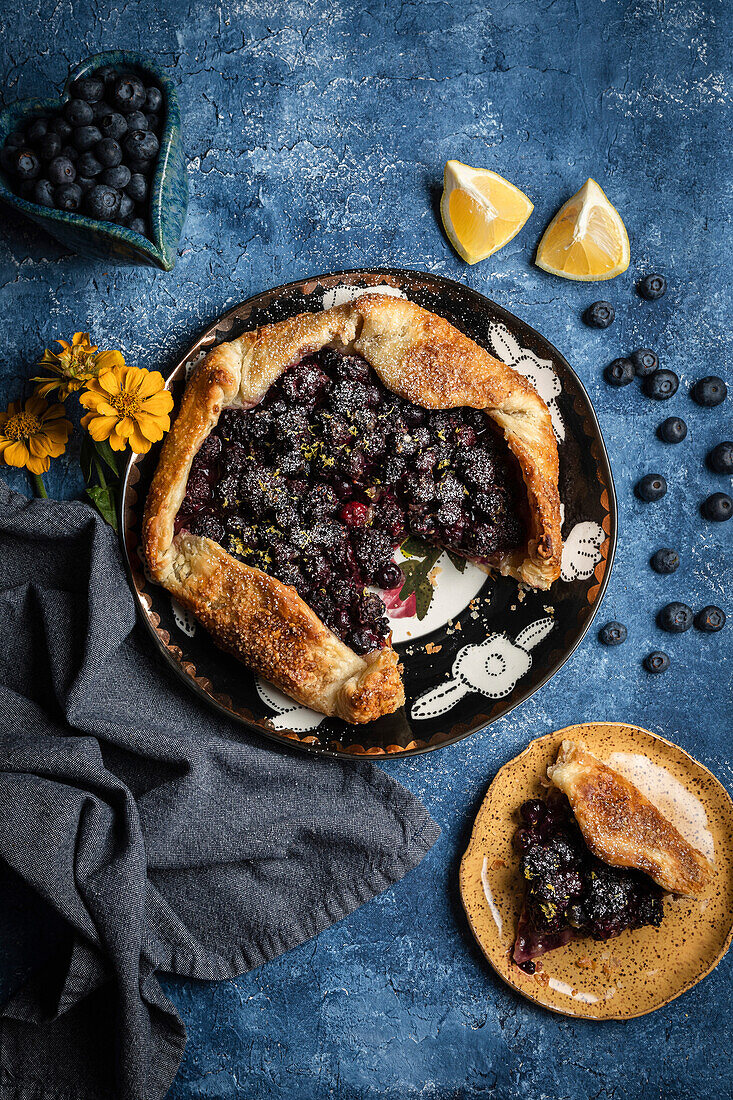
<point>38,487</point>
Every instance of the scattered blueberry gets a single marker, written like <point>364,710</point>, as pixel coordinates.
<point>661,385</point>
<point>619,373</point>
<point>137,225</point>
<point>717,507</point>
<point>141,145</point>
<point>672,430</point>
<point>137,188</point>
<point>103,202</point>
<point>113,125</point>
<point>85,183</point>
<point>720,458</point>
<point>49,146</point>
<point>651,487</point>
<point>78,112</point>
<point>43,193</point>
<point>88,165</point>
<point>108,152</point>
<point>90,88</point>
<point>652,287</point>
<point>709,391</point>
<point>665,560</point>
<point>675,618</point>
<point>61,170</point>
<point>645,362</point>
<point>599,315</point>
<point>27,165</point>
<point>117,177</point>
<point>128,94</point>
<point>153,99</point>
<point>85,137</point>
<point>37,131</point>
<point>68,197</point>
<point>656,662</point>
<point>710,619</point>
<point>613,633</point>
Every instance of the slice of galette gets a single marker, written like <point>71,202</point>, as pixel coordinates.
<point>306,451</point>
<point>597,858</point>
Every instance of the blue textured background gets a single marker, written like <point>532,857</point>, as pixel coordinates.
<point>317,133</point>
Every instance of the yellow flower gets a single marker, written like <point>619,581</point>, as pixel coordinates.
<point>127,405</point>
<point>76,364</point>
<point>33,433</point>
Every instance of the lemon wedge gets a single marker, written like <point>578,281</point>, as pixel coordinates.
<point>481,211</point>
<point>586,240</point>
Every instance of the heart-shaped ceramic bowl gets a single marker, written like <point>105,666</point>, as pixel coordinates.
<point>168,191</point>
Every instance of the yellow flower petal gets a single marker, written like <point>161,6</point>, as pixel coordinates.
<point>151,383</point>
<point>16,454</point>
<point>99,427</point>
<point>116,443</point>
<point>139,444</point>
<point>150,427</point>
<point>160,404</point>
<point>108,360</point>
<point>109,382</point>
<point>38,465</point>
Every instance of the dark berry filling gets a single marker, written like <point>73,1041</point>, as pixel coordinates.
<point>319,483</point>
<point>569,892</point>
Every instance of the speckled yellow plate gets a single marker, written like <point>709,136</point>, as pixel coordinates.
<point>638,971</point>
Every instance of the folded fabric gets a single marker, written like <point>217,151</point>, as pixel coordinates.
<point>171,841</point>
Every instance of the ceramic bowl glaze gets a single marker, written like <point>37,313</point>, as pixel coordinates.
<point>638,971</point>
<point>168,189</point>
<point>484,645</point>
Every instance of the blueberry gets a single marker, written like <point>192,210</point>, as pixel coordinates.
<point>599,315</point>
<point>106,73</point>
<point>49,146</point>
<point>127,207</point>
<point>15,140</point>
<point>645,362</point>
<point>709,391</point>
<point>128,93</point>
<point>661,385</point>
<point>60,126</point>
<point>619,373</point>
<point>68,197</point>
<point>108,152</point>
<point>141,145</point>
<point>675,618</point>
<point>113,125</point>
<point>85,183</point>
<point>85,137</point>
<point>651,487</point>
<point>710,619</point>
<point>656,662</point>
<point>720,458</point>
<point>533,811</point>
<point>43,193</point>
<point>717,507</point>
<point>652,287</point>
<point>137,188</point>
<point>70,151</point>
<point>136,120</point>
<point>137,225</point>
<point>153,122</point>
<point>672,430</point>
<point>26,164</point>
<point>153,99</point>
<point>103,202</point>
<point>101,110</point>
<point>78,112</point>
<point>88,165</point>
<point>90,88</point>
<point>665,560</point>
<point>61,170</point>
<point>613,633</point>
<point>117,177</point>
<point>37,131</point>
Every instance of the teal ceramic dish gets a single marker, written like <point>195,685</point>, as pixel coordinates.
<point>169,188</point>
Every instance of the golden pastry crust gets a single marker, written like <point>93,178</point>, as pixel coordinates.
<point>622,827</point>
<point>264,622</point>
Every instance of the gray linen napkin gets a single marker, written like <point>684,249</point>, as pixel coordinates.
<point>171,841</point>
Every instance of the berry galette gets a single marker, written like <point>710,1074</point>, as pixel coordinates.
<point>306,451</point>
<point>597,858</point>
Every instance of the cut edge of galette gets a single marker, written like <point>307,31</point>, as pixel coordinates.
<point>302,455</point>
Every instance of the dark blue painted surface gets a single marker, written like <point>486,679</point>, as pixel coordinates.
<point>317,134</point>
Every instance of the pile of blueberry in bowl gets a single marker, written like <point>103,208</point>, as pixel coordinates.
<point>89,168</point>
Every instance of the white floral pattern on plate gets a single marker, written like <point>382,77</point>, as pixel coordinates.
<point>491,668</point>
<point>289,715</point>
<point>537,371</point>
<point>581,550</point>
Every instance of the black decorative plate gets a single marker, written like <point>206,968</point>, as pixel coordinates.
<point>483,645</point>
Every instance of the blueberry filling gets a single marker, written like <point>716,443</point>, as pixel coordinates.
<point>319,483</point>
<point>569,892</point>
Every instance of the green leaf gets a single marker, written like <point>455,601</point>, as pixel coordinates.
<point>459,563</point>
<point>413,547</point>
<point>103,499</point>
<point>108,456</point>
<point>87,459</point>
<point>423,598</point>
<point>417,572</point>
